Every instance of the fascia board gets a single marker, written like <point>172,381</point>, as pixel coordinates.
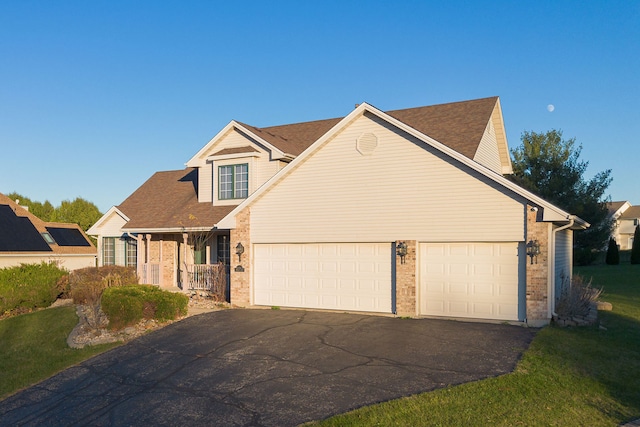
<point>92,231</point>
<point>196,161</point>
<point>233,156</point>
<point>167,230</point>
<point>228,222</point>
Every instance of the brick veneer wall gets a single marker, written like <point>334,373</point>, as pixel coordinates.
<point>538,272</point>
<point>240,291</point>
<point>406,281</point>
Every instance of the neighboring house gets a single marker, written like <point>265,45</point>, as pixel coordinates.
<point>626,217</point>
<point>26,239</point>
<point>403,212</point>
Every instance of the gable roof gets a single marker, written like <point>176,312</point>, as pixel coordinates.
<point>458,125</point>
<point>21,231</point>
<point>632,212</point>
<point>615,207</point>
<point>550,212</point>
<point>169,201</point>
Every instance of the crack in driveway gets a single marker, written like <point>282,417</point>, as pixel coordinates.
<point>266,368</point>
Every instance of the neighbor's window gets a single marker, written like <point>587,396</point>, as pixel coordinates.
<point>234,181</point>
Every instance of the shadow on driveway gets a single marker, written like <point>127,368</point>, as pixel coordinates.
<point>267,368</point>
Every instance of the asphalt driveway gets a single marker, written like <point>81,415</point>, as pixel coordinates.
<point>266,368</point>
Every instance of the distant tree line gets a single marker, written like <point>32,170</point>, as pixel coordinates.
<point>78,211</point>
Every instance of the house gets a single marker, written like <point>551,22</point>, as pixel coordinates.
<point>625,219</point>
<point>26,239</point>
<point>403,212</point>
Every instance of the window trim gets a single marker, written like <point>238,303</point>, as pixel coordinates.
<point>234,190</point>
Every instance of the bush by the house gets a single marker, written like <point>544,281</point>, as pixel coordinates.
<point>613,254</point>
<point>86,284</point>
<point>29,286</point>
<point>127,305</point>
<point>577,298</point>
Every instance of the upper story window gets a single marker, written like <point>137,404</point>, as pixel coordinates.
<point>234,181</point>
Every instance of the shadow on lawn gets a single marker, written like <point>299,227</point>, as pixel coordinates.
<point>610,354</point>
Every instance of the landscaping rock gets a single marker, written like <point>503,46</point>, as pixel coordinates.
<point>604,306</point>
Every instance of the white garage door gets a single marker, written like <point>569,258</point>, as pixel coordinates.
<point>335,276</point>
<point>475,280</point>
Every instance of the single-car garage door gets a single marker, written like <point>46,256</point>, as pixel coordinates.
<point>475,280</point>
<point>334,276</point>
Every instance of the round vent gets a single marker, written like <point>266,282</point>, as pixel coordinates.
<point>366,144</point>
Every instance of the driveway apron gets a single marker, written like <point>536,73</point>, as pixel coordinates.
<point>266,368</point>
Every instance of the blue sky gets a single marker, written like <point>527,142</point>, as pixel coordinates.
<point>97,96</point>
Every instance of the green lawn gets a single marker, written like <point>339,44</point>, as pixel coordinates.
<point>33,347</point>
<point>568,377</point>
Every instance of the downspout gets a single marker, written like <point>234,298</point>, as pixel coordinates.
<point>571,219</point>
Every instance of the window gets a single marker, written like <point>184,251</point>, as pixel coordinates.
<point>132,252</point>
<point>223,250</point>
<point>108,250</point>
<point>119,251</point>
<point>233,181</point>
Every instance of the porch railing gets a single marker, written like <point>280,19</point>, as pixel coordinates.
<point>206,277</point>
<point>150,274</point>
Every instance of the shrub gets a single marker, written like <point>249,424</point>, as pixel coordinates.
<point>29,286</point>
<point>576,299</point>
<point>86,285</point>
<point>613,254</point>
<point>127,305</point>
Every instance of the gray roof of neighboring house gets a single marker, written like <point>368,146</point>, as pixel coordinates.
<point>631,213</point>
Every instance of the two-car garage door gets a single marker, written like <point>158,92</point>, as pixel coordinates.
<point>334,276</point>
<point>473,280</point>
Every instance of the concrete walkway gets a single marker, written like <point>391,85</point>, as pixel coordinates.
<point>266,368</point>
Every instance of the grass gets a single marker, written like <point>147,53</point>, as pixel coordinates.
<point>34,347</point>
<point>568,377</point>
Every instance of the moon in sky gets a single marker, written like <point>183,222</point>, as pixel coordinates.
<point>550,108</point>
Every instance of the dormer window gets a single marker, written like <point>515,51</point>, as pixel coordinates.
<point>233,181</point>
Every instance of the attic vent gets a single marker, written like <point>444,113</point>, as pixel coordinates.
<point>366,143</point>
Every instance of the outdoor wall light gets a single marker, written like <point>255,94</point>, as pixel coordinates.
<point>239,251</point>
<point>533,250</point>
<point>401,251</point>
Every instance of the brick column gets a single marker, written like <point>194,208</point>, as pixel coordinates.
<point>241,270</point>
<point>406,281</point>
<point>538,272</point>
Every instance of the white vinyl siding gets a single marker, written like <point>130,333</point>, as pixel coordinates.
<point>470,280</point>
<point>487,153</point>
<point>563,261</point>
<point>402,190</point>
<point>205,183</point>
<point>333,276</point>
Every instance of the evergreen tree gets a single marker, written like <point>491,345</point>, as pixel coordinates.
<point>613,254</point>
<point>635,249</point>
<point>551,167</point>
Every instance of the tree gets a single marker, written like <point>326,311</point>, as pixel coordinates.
<point>550,167</point>
<point>613,254</point>
<point>635,248</point>
<point>44,211</point>
<point>80,211</point>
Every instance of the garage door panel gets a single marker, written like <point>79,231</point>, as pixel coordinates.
<point>475,280</point>
<point>345,276</point>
